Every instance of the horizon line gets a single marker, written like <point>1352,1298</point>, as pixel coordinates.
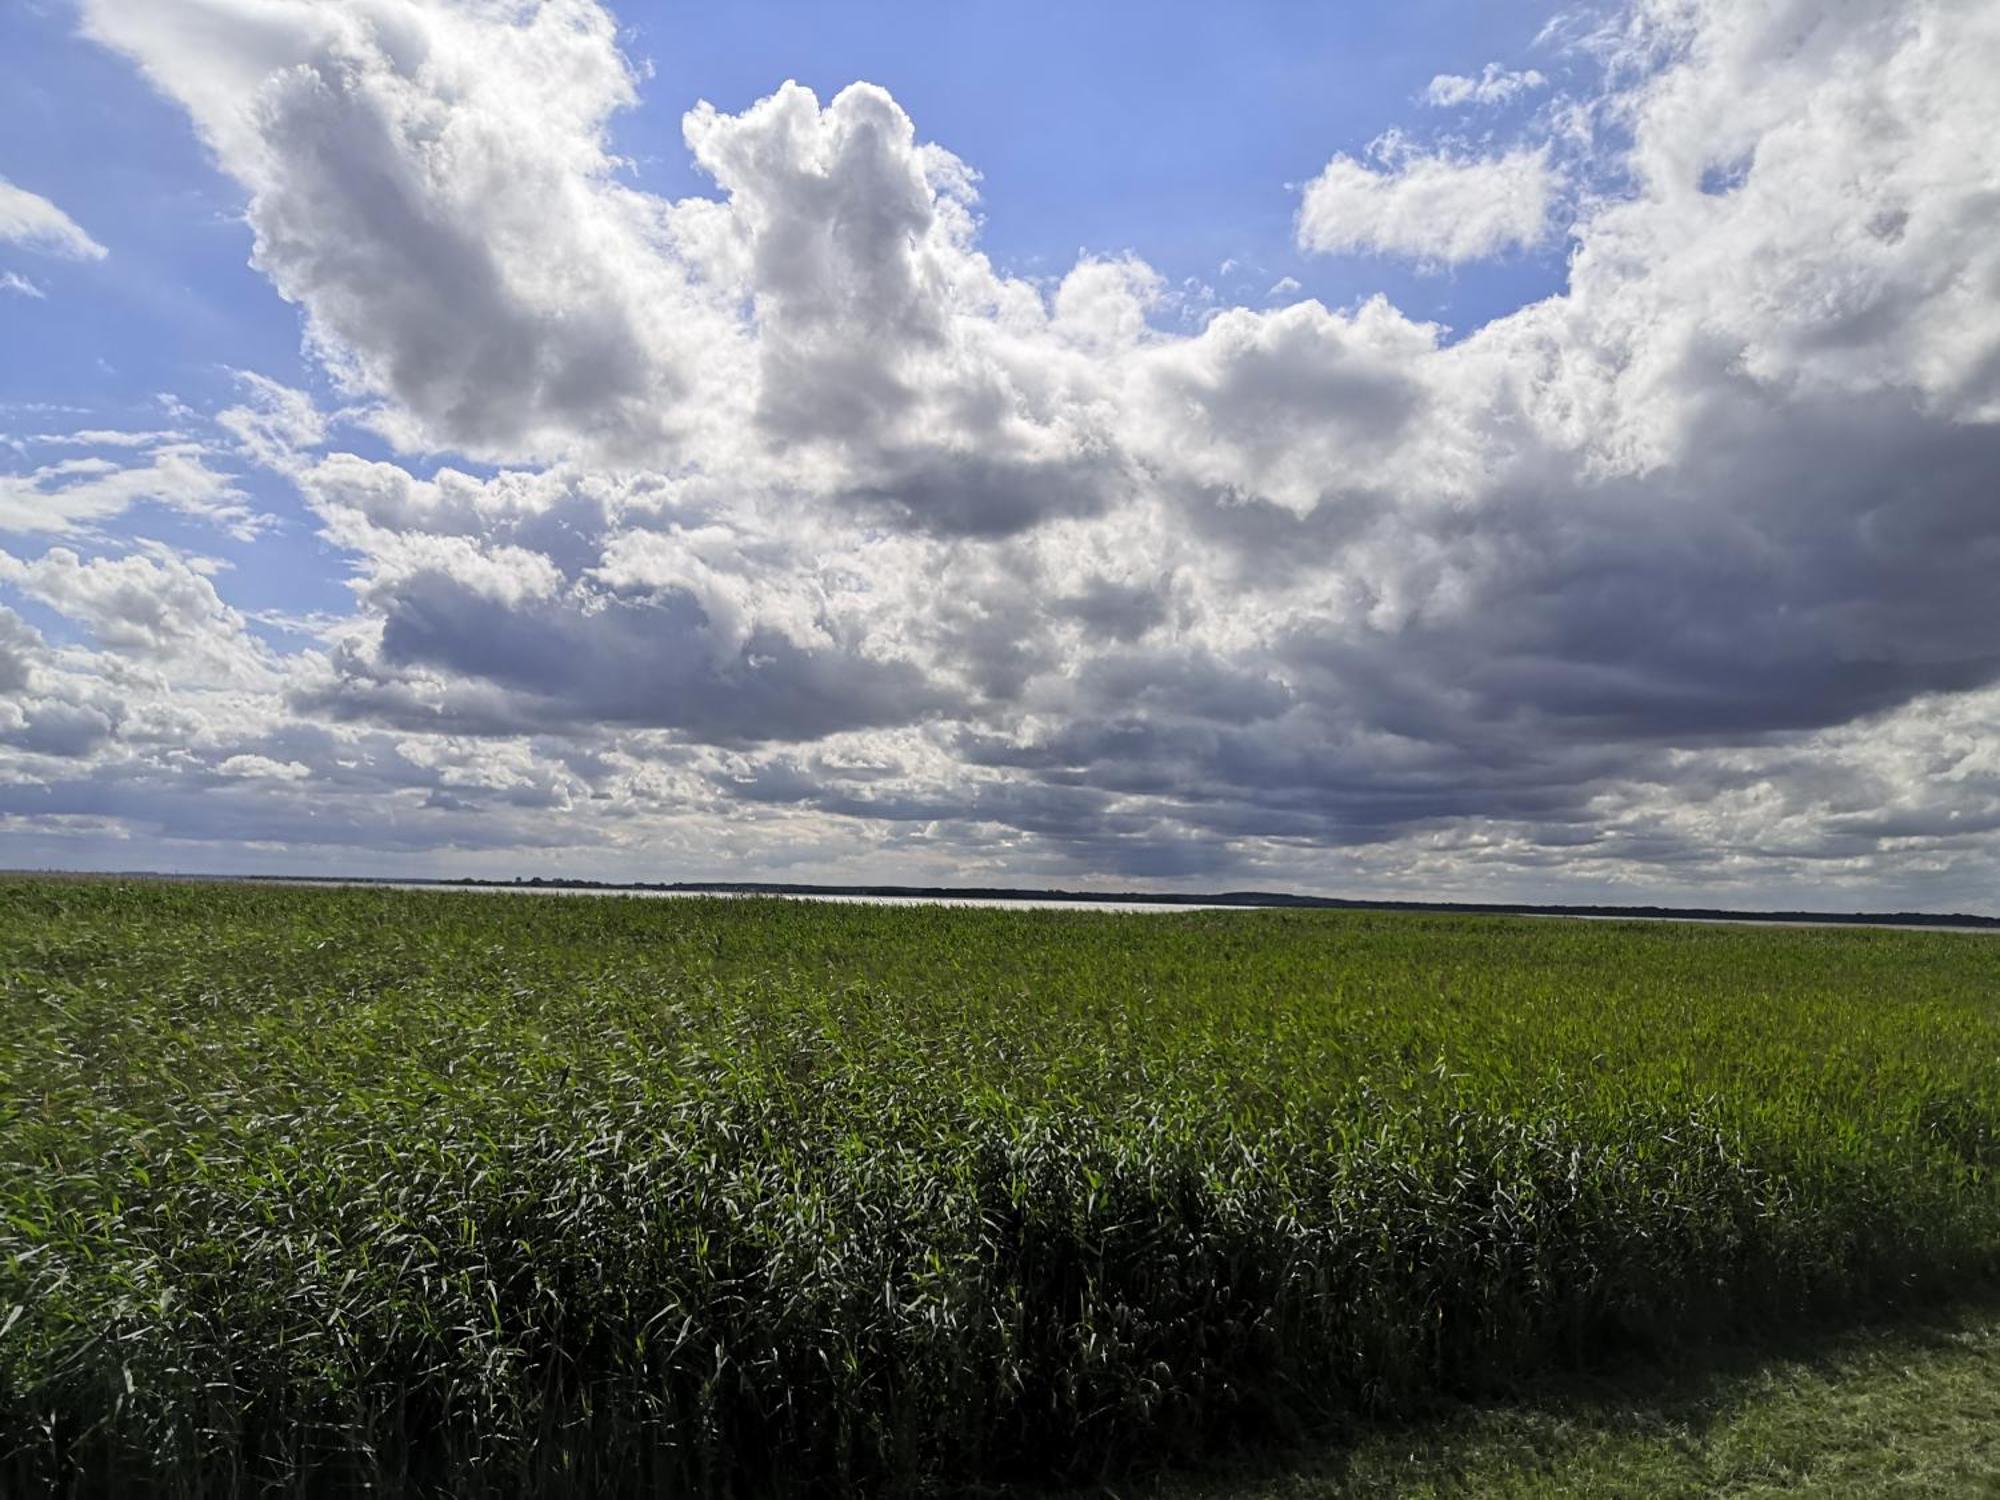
<point>1246,899</point>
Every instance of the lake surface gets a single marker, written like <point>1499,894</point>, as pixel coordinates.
<point>1029,902</point>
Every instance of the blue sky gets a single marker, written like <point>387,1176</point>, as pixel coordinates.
<point>1171,130</point>
<point>1443,448</point>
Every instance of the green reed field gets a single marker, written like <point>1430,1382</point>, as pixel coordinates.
<point>325,1189</point>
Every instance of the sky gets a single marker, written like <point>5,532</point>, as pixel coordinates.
<point>1436,449</point>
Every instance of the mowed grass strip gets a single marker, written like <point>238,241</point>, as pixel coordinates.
<point>483,1191</point>
<point>1903,1411</point>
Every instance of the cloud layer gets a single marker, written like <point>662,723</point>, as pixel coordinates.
<point>780,529</point>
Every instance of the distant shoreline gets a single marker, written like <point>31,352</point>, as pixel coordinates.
<point>1055,896</point>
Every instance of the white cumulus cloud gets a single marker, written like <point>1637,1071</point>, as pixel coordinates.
<point>1430,206</point>
<point>431,183</point>
<point>263,768</point>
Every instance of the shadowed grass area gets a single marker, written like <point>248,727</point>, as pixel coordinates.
<point>494,1193</point>
<point>1903,1411</point>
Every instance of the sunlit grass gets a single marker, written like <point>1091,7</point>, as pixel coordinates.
<point>463,1190</point>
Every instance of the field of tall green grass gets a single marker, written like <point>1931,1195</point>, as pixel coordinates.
<point>479,1193</point>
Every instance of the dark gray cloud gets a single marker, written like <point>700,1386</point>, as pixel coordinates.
<point>1115,611</point>
<point>19,646</point>
<point>50,726</point>
<point>619,661</point>
<point>970,495</point>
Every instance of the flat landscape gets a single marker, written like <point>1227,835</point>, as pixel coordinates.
<point>427,1191</point>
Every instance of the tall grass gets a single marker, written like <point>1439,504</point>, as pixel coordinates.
<point>324,1189</point>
